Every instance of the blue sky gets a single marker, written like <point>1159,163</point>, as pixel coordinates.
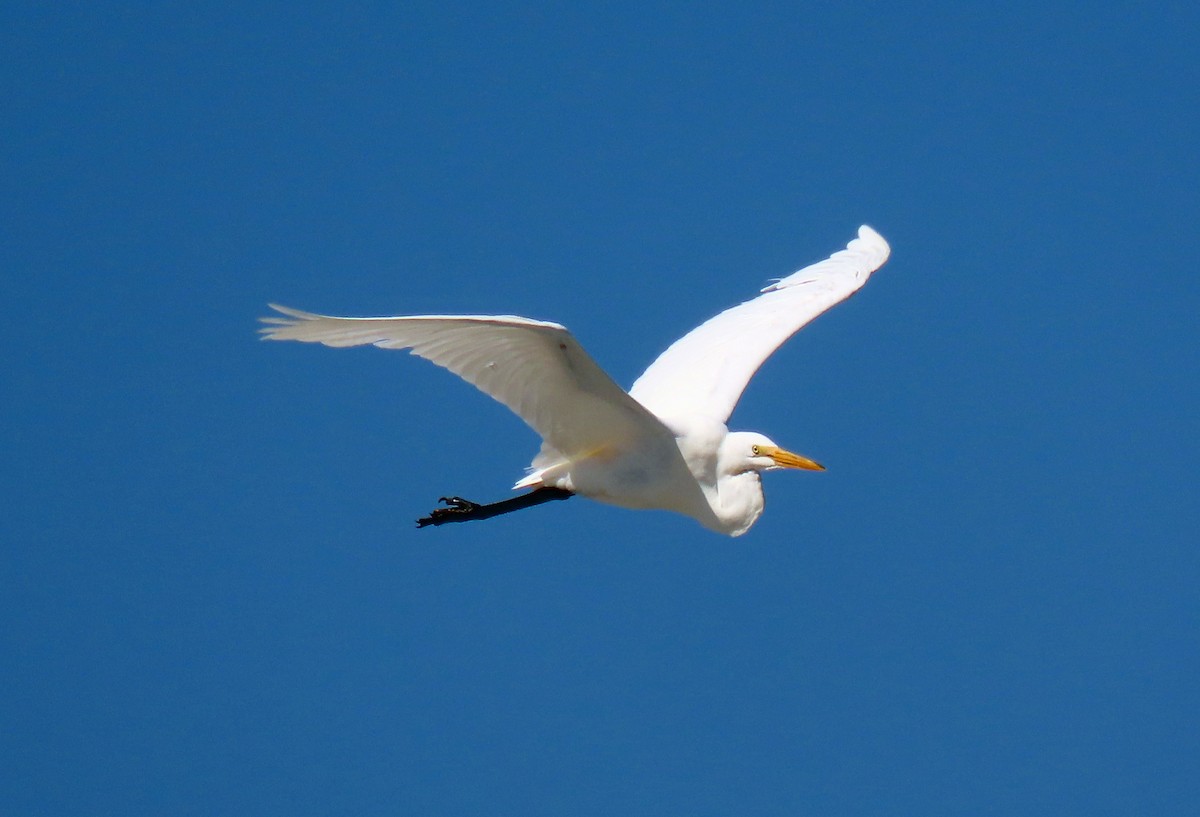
<point>214,600</point>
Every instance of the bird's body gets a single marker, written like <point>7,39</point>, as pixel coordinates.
<point>662,445</point>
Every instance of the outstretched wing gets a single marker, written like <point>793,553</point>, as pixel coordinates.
<point>706,370</point>
<point>535,368</point>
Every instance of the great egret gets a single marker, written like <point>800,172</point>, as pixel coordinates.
<point>664,444</point>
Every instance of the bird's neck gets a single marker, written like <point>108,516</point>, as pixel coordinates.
<point>737,503</point>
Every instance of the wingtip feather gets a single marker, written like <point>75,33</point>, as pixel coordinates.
<point>869,239</point>
<point>276,324</point>
<point>870,250</point>
<point>298,314</point>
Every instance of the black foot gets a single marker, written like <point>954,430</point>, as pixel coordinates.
<point>463,510</point>
<point>457,510</point>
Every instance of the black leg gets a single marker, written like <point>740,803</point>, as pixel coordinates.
<point>462,510</point>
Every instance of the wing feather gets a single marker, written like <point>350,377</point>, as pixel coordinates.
<point>535,368</point>
<point>706,371</point>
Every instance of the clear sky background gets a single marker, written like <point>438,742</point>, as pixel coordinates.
<point>212,596</point>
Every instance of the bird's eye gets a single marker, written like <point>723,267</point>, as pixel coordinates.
<point>754,449</point>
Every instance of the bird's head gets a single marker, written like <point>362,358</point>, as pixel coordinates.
<point>743,456</point>
<point>756,452</point>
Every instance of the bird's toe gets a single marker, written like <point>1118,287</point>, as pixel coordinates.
<point>456,509</point>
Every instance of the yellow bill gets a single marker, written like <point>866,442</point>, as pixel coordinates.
<point>786,459</point>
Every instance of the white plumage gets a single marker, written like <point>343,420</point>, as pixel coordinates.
<point>664,444</point>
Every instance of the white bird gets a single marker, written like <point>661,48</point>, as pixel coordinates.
<point>664,443</point>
